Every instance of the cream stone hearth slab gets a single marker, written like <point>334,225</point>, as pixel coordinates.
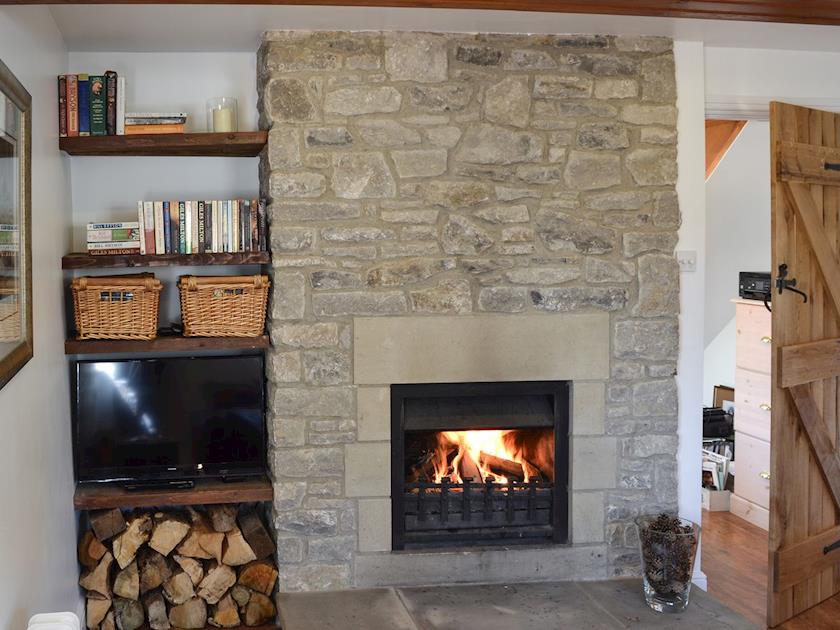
<point>367,469</point>
<point>374,413</point>
<point>587,509</point>
<point>588,408</point>
<point>481,348</point>
<point>512,564</point>
<point>374,525</point>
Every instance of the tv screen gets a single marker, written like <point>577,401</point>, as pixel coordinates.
<point>170,418</point>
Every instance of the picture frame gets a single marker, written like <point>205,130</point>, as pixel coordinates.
<point>16,334</point>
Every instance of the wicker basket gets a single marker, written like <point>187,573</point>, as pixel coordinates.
<point>117,307</point>
<point>223,306</point>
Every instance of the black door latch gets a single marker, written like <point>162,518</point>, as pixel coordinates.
<point>783,283</point>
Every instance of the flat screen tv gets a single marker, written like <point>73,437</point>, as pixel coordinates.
<point>169,419</point>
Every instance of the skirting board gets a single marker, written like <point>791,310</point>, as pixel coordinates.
<point>749,511</point>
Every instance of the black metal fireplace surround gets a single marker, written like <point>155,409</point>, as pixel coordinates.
<point>476,511</point>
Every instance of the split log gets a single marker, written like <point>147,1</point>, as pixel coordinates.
<point>222,517</point>
<point>257,536</point>
<point>225,614</point>
<point>90,550</point>
<point>96,611</point>
<point>127,582</point>
<point>156,611</point>
<point>260,609</point>
<point>154,569</point>
<point>128,614</point>
<point>108,623</point>
<point>169,531</point>
<point>240,594</point>
<point>189,615</point>
<point>259,576</point>
<point>236,549</point>
<point>191,567</point>
<point>219,578</point>
<point>107,523</point>
<point>467,468</point>
<point>502,467</point>
<point>212,542</point>
<point>129,541</point>
<point>97,581</point>
<point>178,588</point>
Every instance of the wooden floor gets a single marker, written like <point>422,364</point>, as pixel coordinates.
<point>734,559</point>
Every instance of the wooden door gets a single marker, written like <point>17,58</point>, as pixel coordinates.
<point>805,466</point>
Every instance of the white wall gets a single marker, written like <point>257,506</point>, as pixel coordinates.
<point>38,528</point>
<point>737,239</point>
<point>691,191</point>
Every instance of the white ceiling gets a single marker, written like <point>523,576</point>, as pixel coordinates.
<point>164,28</point>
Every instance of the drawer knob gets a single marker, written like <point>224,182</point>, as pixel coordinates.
<point>764,407</point>
<point>766,339</point>
<point>764,474</point>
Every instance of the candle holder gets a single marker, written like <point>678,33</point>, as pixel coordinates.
<point>221,114</point>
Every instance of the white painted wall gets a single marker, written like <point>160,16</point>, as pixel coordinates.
<point>691,190</point>
<point>737,239</point>
<point>38,529</point>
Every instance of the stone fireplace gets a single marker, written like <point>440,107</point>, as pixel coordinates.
<point>475,210</point>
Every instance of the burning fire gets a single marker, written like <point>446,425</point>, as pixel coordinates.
<point>480,454</point>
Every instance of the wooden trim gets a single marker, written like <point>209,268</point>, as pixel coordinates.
<point>823,449</point>
<point>720,134</point>
<point>807,362</point>
<point>798,562</point>
<point>806,163</point>
<point>86,261</point>
<point>238,144</point>
<point>164,344</point>
<point>788,11</point>
<point>206,491</point>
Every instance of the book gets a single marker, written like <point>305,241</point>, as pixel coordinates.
<point>155,121</point>
<point>109,245</point>
<point>214,226</point>
<point>174,219</point>
<point>141,221</point>
<point>110,102</point>
<point>208,226</point>
<point>120,106</point>
<point>115,252</point>
<point>150,227</point>
<point>84,105</point>
<point>182,227</point>
<point>116,225</point>
<point>244,229</point>
<point>157,210</point>
<point>72,105</point>
<point>156,115</point>
<point>136,130</point>
<point>97,105</point>
<point>255,232</point>
<point>202,226</point>
<point>167,229</point>
<point>188,224</point>
<point>62,106</point>
<point>262,226</point>
<point>122,235</point>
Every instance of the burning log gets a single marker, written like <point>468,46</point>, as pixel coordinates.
<point>502,467</point>
<point>467,468</point>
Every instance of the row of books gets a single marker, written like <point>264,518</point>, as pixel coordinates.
<point>184,227</point>
<point>94,105</point>
<point>9,239</point>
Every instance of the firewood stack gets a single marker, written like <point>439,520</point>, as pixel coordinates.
<point>180,570</point>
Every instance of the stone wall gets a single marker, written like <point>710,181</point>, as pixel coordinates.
<point>420,175</point>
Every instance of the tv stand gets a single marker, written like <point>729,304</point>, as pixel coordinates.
<point>181,484</point>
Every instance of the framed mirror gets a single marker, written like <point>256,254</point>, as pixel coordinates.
<point>16,344</point>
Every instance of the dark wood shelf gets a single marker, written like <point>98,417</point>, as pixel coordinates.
<point>86,261</point>
<point>237,144</point>
<point>269,627</point>
<point>164,344</point>
<point>209,491</point>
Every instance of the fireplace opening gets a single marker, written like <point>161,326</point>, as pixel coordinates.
<point>479,464</point>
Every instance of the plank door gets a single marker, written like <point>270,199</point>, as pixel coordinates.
<point>804,466</point>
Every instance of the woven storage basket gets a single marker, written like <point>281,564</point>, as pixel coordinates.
<point>223,306</point>
<point>9,316</point>
<point>117,307</point>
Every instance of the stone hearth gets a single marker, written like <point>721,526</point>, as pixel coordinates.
<point>467,208</point>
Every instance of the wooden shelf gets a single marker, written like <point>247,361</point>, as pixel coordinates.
<point>269,627</point>
<point>165,344</point>
<point>238,144</point>
<point>209,491</point>
<point>86,261</point>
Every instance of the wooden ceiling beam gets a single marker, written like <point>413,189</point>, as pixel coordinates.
<point>789,11</point>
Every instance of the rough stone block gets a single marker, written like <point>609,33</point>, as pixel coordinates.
<point>356,101</point>
<point>419,57</point>
<point>283,367</point>
<point>649,445</point>
<point>284,184</point>
<point>598,271</point>
<point>639,339</point>
<point>420,162</point>
<point>283,148</point>
<point>543,275</point>
<point>503,299</point>
<point>290,100</point>
<point>327,137</point>
<point>444,136</point>
<point>590,171</point>
<point>455,194</point>
<point>659,286</point>
<point>330,402</point>
<point>562,231</point>
<point>441,98</point>
<point>652,167</point>
<point>288,295</point>
<point>562,87</point>
<point>367,469</point>
<point>314,211</point>
<point>616,88</point>
<point>449,296</point>
<point>565,299</point>
<point>655,398</point>
<point>291,239</point>
<point>326,367</point>
<point>331,549</point>
<point>288,495</point>
<point>362,176</point>
<point>603,136</point>
<point>491,144</point>
<point>309,462</point>
<point>358,234</point>
<point>504,214</point>
<point>315,335</point>
<point>335,279</point>
<point>478,55</point>
<point>508,102</point>
<point>638,114</point>
<point>462,236</point>
<point>636,243</point>
<point>387,133</point>
<point>359,303</point>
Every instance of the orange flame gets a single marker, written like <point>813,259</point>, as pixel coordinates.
<point>475,445</point>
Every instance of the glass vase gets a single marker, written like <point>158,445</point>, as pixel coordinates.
<point>668,546</point>
<point>221,114</point>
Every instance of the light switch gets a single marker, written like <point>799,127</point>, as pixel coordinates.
<point>687,260</point>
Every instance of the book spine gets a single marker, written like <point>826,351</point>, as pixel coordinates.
<point>152,226</point>
<point>255,232</point>
<point>262,226</point>
<point>124,235</point>
<point>157,211</point>
<point>135,130</point>
<point>84,105</point>
<point>167,229</point>
<point>72,105</point>
<point>194,229</point>
<point>202,226</point>
<point>174,218</point>
<point>141,221</point>
<point>182,227</point>
<point>208,226</point>
<point>96,86</point>
<point>154,121</point>
<point>114,225</point>
<point>244,230</point>
<point>111,103</point>
<point>188,232</point>
<point>214,231</point>
<point>234,222</point>
<point>135,244</point>
<point>120,106</point>
<point>115,252</point>
<point>62,106</point>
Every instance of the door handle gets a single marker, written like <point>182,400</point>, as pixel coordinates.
<point>764,474</point>
<point>764,407</point>
<point>766,339</point>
